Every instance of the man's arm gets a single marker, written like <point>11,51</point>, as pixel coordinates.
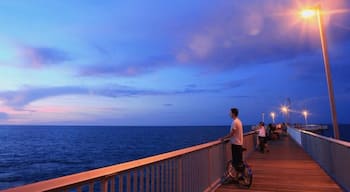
<point>228,135</point>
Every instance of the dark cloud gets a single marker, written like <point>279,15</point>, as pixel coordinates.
<point>127,69</point>
<point>238,83</point>
<point>42,56</point>
<point>241,96</point>
<point>238,35</point>
<point>24,96</point>
<point>20,98</point>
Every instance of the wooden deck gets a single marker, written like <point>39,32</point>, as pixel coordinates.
<point>285,168</point>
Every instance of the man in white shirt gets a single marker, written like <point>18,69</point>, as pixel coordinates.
<point>236,140</point>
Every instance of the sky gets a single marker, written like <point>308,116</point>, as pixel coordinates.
<point>177,62</point>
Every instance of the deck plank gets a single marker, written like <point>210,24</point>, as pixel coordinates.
<point>285,168</point>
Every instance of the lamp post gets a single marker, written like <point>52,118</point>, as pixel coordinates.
<point>272,114</point>
<point>263,117</point>
<point>285,110</point>
<point>307,13</point>
<point>305,114</point>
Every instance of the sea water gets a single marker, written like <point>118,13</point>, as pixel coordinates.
<point>34,153</point>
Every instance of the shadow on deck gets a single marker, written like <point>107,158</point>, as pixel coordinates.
<point>285,168</point>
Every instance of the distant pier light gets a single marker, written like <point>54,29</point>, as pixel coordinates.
<point>285,111</point>
<point>305,114</point>
<point>273,115</point>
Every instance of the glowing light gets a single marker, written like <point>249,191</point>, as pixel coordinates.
<point>307,13</point>
<point>273,115</point>
<point>284,109</point>
<point>305,113</point>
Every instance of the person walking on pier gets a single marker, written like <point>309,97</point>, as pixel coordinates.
<point>236,140</point>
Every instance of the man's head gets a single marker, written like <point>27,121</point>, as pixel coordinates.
<point>234,112</point>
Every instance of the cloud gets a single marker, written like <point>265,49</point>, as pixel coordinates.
<point>37,57</point>
<point>27,95</point>
<point>3,116</point>
<point>238,83</point>
<point>126,69</point>
<point>20,98</point>
<point>239,35</point>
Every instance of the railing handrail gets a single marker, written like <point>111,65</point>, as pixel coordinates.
<point>331,154</point>
<point>249,133</point>
<point>340,142</point>
<point>85,177</point>
<point>100,173</point>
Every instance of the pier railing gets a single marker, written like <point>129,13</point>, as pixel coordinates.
<point>331,154</point>
<point>197,168</point>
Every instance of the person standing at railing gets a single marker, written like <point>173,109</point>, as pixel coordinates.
<point>236,140</point>
<point>262,137</point>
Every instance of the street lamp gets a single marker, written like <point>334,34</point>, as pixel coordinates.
<point>263,116</point>
<point>285,110</point>
<point>305,114</point>
<point>273,115</point>
<point>308,13</point>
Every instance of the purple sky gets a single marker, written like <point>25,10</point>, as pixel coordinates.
<point>169,62</point>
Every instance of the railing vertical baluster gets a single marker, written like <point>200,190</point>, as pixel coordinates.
<point>186,175</point>
<point>91,187</point>
<point>141,180</point>
<point>121,186</point>
<point>158,177</point>
<point>196,175</point>
<point>179,174</point>
<point>209,167</point>
<point>191,172</point>
<point>167,176</point>
<point>135,180</point>
<point>79,189</point>
<point>170,182</point>
<point>153,178</point>
<point>104,185</point>
<point>112,184</point>
<point>147,178</point>
<point>162,177</point>
<point>128,182</point>
<point>173,175</point>
<point>193,169</point>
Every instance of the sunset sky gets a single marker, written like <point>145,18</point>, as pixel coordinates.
<point>169,62</point>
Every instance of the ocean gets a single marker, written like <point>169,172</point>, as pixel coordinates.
<point>34,153</point>
<point>344,132</point>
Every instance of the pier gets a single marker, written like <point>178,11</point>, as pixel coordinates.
<point>286,167</point>
<point>299,161</point>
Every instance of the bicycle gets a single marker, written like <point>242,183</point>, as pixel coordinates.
<point>243,178</point>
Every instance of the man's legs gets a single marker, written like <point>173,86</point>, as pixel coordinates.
<point>237,158</point>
